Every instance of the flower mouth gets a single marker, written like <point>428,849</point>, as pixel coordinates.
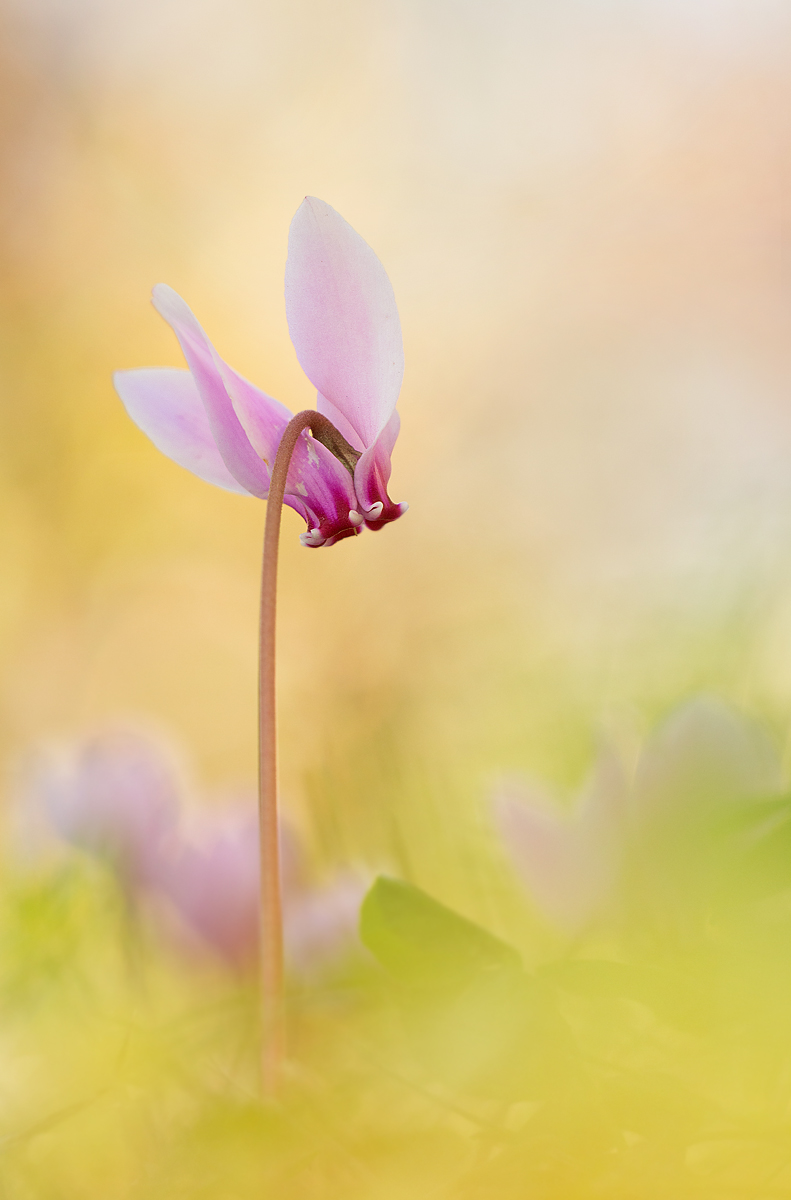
<point>329,532</point>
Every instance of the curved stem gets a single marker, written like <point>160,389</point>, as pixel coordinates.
<point>273,1040</point>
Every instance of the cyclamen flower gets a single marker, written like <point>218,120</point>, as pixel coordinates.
<point>344,325</point>
<point>211,879</point>
<point>703,760</point>
<point>116,795</point>
<point>704,755</point>
<point>569,862</point>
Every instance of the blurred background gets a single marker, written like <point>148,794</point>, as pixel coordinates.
<point>583,208</point>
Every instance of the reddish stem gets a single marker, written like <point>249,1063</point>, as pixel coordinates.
<point>273,1039</point>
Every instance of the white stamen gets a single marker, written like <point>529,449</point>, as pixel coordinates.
<point>312,537</point>
<point>375,512</point>
<point>355,517</point>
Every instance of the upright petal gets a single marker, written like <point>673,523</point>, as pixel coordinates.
<point>165,403</point>
<point>227,430</point>
<point>343,319</point>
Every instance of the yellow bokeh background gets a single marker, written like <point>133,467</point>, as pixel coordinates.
<point>583,210</point>
<point>583,206</point>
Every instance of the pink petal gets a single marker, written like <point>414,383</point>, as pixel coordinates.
<point>704,753</point>
<point>343,319</point>
<point>165,403</point>
<point>327,489</point>
<point>570,863</point>
<point>321,924</point>
<point>329,410</point>
<point>246,426</point>
<point>262,417</point>
<point>211,879</point>
<point>229,436</point>
<point>546,853</point>
<point>371,476</point>
<point>117,794</point>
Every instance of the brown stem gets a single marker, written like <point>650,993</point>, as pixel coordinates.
<point>273,1041</point>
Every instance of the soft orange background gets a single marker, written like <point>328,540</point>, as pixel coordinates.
<point>584,211</point>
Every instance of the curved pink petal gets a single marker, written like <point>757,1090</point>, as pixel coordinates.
<point>246,426</point>
<point>165,403</point>
<point>262,417</point>
<point>371,476</point>
<point>343,319</point>
<point>234,445</point>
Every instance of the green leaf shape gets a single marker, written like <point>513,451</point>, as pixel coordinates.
<point>422,943</point>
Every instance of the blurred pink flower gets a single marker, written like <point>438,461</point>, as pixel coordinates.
<point>118,795</point>
<point>704,753</point>
<point>570,862</point>
<point>210,876</point>
<point>703,758</point>
<point>344,324</point>
<point>115,795</point>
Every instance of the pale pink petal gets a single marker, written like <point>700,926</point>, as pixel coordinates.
<point>117,794</point>
<point>247,425</point>
<point>570,862</point>
<point>320,925</point>
<point>334,414</point>
<point>546,853</point>
<point>165,403</point>
<point>211,879</point>
<point>343,319</point>
<point>602,808</point>
<point>229,436</point>
<point>263,418</point>
<point>705,753</point>
<point>371,476</point>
